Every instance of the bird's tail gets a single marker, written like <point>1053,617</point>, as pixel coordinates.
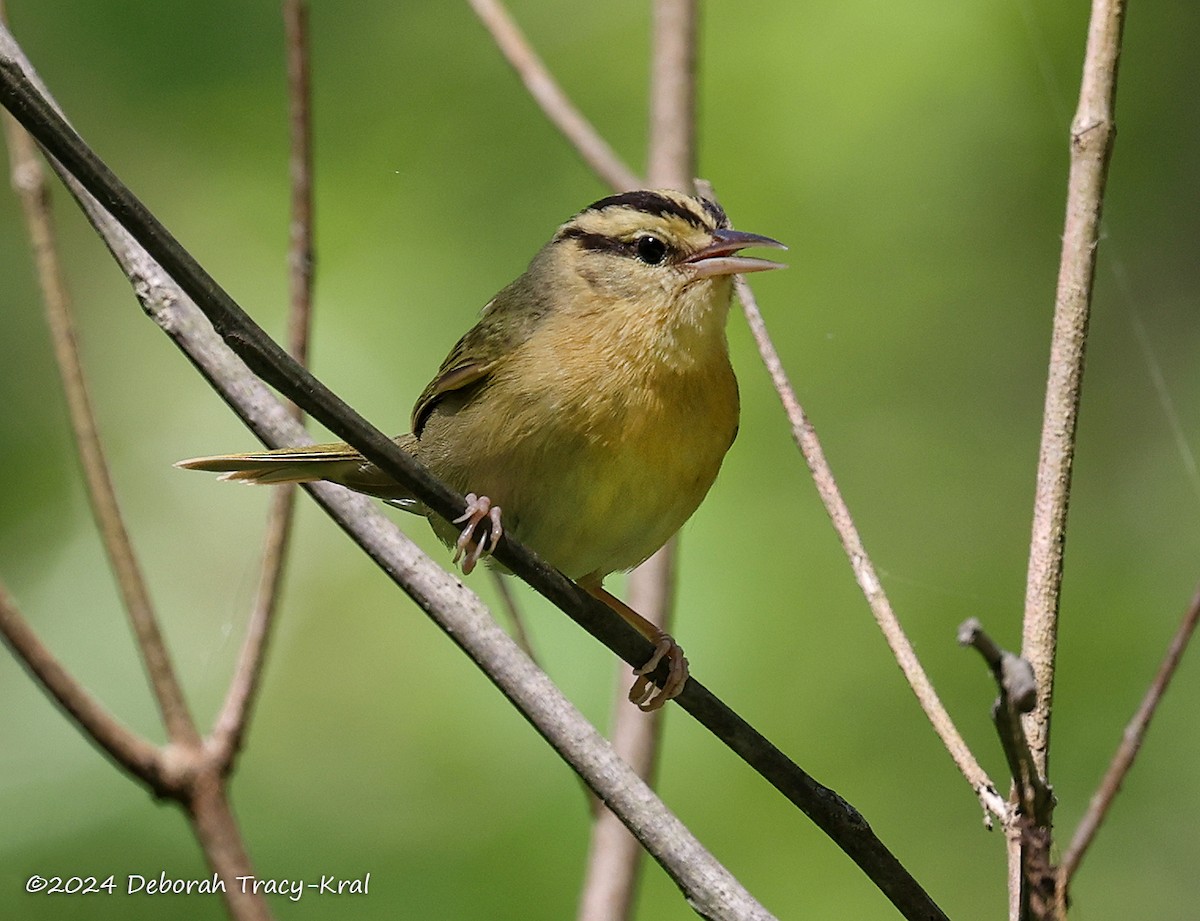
<point>338,463</point>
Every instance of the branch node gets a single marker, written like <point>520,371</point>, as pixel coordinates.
<point>175,769</point>
<point>1019,682</point>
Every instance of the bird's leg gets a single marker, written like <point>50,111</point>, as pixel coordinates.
<point>643,691</point>
<point>471,551</point>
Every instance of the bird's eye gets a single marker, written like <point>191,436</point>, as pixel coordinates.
<point>651,250</point>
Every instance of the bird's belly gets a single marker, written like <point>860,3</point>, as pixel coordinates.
<point>591,503</point>
<point>609,510</point>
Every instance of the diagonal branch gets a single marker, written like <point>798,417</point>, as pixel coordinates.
<point>1127,751</point>
<point>864,572</point>
<point>1092,134</point>
<point>546,92</point>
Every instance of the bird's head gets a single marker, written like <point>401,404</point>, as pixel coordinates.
<point>657,255</point>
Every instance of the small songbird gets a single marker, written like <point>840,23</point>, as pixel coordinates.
<point>593,402</point>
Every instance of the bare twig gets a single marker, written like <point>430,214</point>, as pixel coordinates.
<point>216,829</point>
<point>1029,832</point>
<point>1092,133</point>
<point>301,259</point>
<point>181,772</point>
<point>29,180</point>
<point>519,634</point>
<point>232,722</point>
<point>1127,751</point>
<point>230,726</point>
<point>438,593</point>
<point>671,160</point>
<point>549,95</point>
<point>864,572</point>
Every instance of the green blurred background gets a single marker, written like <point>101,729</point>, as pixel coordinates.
<point>914,158</point>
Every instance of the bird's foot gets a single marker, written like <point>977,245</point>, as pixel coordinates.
<point>643,691</point>
<point>470,550</point>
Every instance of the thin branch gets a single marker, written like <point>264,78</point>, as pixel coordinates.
<point>614,858</point>
<point>438,593</point>
<point>1018,694</point>
<point>671,159</point>
<point>550,97</point>
<point>1015,872</point>
<point>1127,751</point>
<point>1029,832</point>
<point>29,180</point>
<point>301,258</point>
<point>519,634</point>
<point>125,747</point>
<point>1092,134</point>
<point>864,572</point>
<point>219,837</point>
<point>231,724</point>
<point>178,772</point>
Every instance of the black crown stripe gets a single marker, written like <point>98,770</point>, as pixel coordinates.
<point>655,203</point>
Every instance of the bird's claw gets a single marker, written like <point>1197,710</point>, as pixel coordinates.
<point>643,691</point>
<point>466,547</point>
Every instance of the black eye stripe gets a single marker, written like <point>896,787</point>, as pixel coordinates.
<point>599,242</point>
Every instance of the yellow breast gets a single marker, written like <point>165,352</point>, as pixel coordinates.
<point>596,447</point>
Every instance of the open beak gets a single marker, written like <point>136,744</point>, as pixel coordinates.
<point>718,258</point>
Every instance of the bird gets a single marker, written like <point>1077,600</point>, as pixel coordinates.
<point>586,413</point>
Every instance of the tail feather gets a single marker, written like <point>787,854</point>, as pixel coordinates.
<point>287,465</point>
<point>271,476</point>
<point>338,463</point>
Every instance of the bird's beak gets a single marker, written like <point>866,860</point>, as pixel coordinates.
<point>718,257</point>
